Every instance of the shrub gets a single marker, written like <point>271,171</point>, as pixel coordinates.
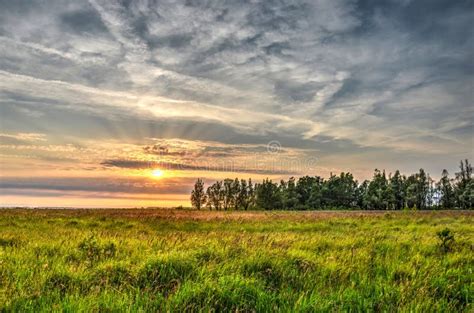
<point>9,242</point>
<point>60,282</point>
<point>400,276</point>
<point>446,240</point>
<point>73,223</point>
<point>91,249</point>
<point>303,265</point>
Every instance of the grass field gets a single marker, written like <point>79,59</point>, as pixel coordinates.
<point>173,260</point>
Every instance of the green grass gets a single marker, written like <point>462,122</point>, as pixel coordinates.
<point>149,260</point>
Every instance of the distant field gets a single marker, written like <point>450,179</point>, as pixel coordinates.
<point>181,260</point>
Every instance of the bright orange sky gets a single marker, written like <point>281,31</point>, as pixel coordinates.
<point>111,174</point>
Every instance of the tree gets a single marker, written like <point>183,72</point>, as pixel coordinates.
<point>215,196</point>
<point>308,191</point>
<point>229,194</point>
<point>315,200</point>
<point>289,194</point>
<point>361,194</point>
<point>242,198</point>
<point>340,191</point>
<point>417,188</point>
<point>268,196</point>
<point>422,189</point>
<point>250,195</point>
<point>445,191</point>
<point>432,194</point>
<point>396,191</point>
<point>464,186</point>
<point>235,194</point>
<point>411,189</point>
<point>376,197</point>
<point>198,196</point>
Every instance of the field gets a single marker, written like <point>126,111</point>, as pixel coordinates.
<point>180,260</point>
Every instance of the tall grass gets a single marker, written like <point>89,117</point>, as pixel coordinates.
<point>135,261</point>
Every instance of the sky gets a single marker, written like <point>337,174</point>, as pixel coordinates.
<point>125,103</point>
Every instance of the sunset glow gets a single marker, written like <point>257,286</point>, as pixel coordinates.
<point>157,173</point>
<point>109,101</point>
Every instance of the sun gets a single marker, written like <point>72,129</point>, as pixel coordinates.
<point>157,173</point>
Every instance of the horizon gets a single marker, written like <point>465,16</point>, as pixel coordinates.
<point>125,104</point>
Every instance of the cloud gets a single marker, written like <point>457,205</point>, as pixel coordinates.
<point>212,166</point>
<point>23,137</point>
<point>98,185</point>
<point>162,151</point>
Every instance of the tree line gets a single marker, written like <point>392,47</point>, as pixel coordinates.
<point>383,192</point>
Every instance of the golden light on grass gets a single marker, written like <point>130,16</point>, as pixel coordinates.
<point>157,173</point>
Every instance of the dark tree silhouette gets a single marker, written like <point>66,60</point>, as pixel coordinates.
<point>198,196</point>
<point>312,193</point>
